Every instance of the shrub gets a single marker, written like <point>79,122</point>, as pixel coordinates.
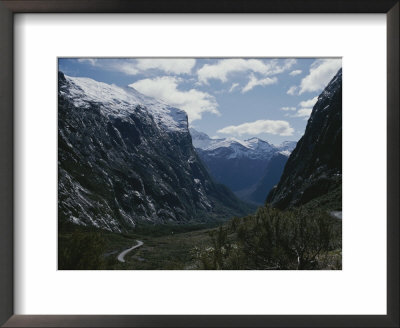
<point>81,251</point>
<point>274,239</point>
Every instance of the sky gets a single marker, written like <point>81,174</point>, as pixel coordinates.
<point>224,97</point>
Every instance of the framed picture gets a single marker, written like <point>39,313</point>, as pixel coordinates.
<point>146,198</point>
<point>161,163</point>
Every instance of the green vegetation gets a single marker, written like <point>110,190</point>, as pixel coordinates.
<point>81,250</point>
<point>165,247</point>
<point>303,238</point>
<point>298,239</point>
<point>331,201</point>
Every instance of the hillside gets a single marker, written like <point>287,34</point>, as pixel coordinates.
<point>314,169</point>
<point>125,159</point>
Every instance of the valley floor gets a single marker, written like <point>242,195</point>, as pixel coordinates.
<point>171,248</point>
<point>168,252</point>
<point>163,247</point>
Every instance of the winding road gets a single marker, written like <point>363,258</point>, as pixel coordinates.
<point>123,253</point>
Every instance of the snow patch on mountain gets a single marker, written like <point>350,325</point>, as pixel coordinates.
<point>202,140</point>
<point>286,147</point>
<point>235,148</point>
<point>285,153</point>
<point>122,101</point>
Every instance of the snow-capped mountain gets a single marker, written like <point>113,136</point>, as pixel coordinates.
<point>242,164</point>
<point>202,140</point>
<point>287,147</point>
<point>252,148</point>
<point>121,102</point>
<point>125,159</point>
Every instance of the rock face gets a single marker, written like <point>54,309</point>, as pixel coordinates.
<point>314,168</point>
<point>241,165</point>
<point>125,159</point>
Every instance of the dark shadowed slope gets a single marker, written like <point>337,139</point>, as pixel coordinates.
<point>314,168</point>
<point>271,178</point>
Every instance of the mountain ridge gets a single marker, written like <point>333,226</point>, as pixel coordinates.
<point>315,166</point>
<point>127,159</point>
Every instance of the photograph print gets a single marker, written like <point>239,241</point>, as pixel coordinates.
<point>199,164</point>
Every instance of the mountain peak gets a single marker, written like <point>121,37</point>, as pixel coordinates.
<point>253,147</point>
<point>121,102</point>
<point>254,139</point>
<point>257,143</point>
<point>202,140</point>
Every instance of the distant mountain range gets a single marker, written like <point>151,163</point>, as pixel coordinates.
<point>126,159</point>
<point>314,168</point>
<point>250,168</point>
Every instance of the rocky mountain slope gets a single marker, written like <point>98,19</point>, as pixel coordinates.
<point>242,165</point>
<point>124,159</point>
<point>314,168</point>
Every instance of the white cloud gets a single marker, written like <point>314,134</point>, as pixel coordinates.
<point>233,87</point>
<point>194,102</point>
<point>305,108</point>
<point>91,61</point>
<point>321,72</point>
<point>309,103</point>
<point>125,67</point>
<point>225,67</point>
<point>136,66</point>
<point>292,90</point>
<point>303,112</point>
<point>253,82</point>
<point>287,64</point>
<point>281,128</point>
<point>295,72</point>
<point>176,66</point>
<point>288,108</point>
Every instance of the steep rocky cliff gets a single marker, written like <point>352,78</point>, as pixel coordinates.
<point>314,168</point>
<point>124,158</point>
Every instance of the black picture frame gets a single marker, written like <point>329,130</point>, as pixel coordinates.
<point>10,7</point>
